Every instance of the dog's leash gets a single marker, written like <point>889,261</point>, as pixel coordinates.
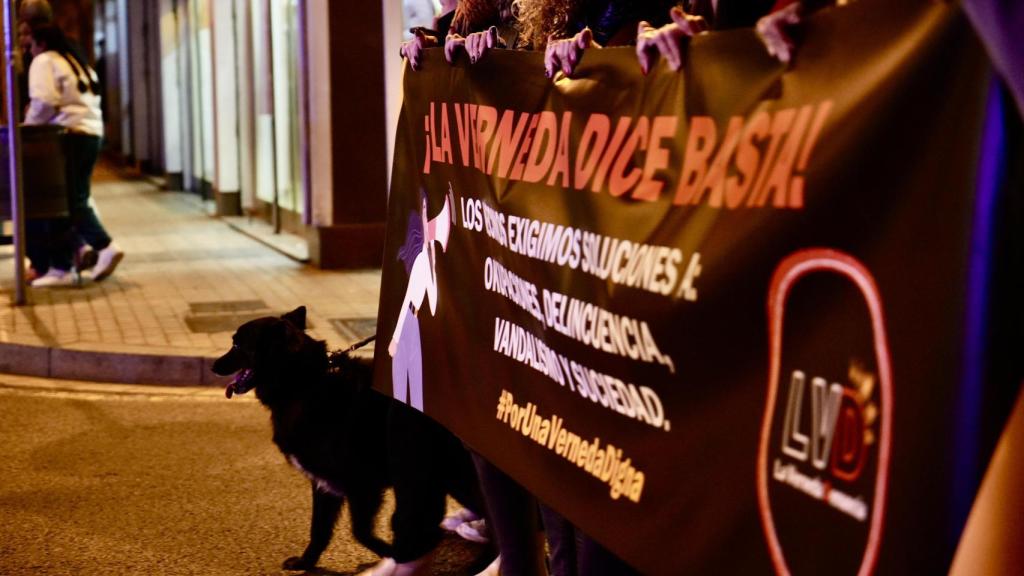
<point>338,357</point>
<point>360,344</point>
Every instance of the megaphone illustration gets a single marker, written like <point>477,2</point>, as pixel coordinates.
<point>439,227</point>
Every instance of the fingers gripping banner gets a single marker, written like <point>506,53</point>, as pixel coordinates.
<point>719,319</point>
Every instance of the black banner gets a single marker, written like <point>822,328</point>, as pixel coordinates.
<point>735,319</point>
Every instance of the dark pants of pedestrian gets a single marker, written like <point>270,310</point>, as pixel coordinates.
<point>52,242</point>
<point>83,151</point>
<point>427,463</point>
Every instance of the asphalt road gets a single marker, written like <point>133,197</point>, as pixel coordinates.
<point>114,479</point>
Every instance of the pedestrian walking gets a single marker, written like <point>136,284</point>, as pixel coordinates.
<point>64,90</point>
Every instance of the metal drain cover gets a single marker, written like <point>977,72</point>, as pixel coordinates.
<point>227,315</point>
<point>354,328</point>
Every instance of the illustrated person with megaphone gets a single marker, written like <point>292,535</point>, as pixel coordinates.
<point>419,254</point>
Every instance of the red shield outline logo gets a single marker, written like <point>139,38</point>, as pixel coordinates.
<point>789,271</point>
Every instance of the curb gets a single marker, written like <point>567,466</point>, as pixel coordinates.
<point>107,366</point>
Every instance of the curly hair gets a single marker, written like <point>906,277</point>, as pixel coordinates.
<point>478,15</point>
<point>541,19</point>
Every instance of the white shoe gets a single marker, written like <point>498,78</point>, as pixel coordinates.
<point>386,567</point>
<point>106,260</point>
<point>461,516</point>
<point>55,277</point>
<point>474,531</point>
<point>417,567</point>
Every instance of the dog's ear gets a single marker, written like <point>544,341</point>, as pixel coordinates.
<point>297,317</point>
<point>293,339</point>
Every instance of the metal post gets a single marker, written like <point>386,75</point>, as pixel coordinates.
<point>14,157</point>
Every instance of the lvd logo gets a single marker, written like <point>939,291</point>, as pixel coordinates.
<point>841,423</point>
<point>829,434</point>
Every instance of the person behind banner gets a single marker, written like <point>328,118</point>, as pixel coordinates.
<point>567,28</point>
<point>487,24</point>
<point>772,20</point>
<point>474,26</point>
<point>515,516</point>
<point>64,91</point>
<point>774,29</point>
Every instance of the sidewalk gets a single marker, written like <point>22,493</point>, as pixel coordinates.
<point>186,282</point>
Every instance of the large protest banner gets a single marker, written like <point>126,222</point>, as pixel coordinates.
<point>739,319</point>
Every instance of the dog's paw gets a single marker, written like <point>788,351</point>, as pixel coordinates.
<point>298,563</point>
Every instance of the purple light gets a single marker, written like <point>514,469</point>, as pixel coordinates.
<point>968,408</point>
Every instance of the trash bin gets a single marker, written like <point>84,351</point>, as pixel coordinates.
<point>44,172</point>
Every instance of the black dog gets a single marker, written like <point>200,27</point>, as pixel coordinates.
<point>336,430</point>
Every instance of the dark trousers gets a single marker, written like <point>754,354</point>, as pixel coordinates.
<point>53,241</point>
<point>82,153</point>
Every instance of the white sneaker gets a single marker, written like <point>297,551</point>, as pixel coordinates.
<point>417,567</point>
<point>386,567</point>
<point>55,277</point>
<point>474,531</point>
<point>461,516</point>
<point>106,260</point>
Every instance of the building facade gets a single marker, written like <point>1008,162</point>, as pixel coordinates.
<point>282,111</point>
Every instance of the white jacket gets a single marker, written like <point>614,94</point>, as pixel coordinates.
<point>55,98</point>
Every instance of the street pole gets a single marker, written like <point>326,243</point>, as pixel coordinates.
<point>14,158</point>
